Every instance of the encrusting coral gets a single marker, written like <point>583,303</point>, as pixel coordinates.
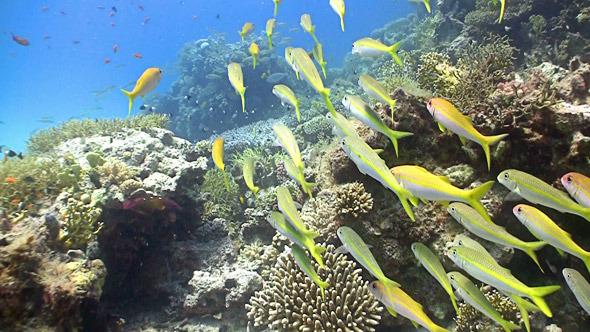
<point>291,301</point>
<point>471,320</point>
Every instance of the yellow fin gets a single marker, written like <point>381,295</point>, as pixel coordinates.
<point>462,139</point>
<point>441,127</point>
<point>444,178</point>
<point>392,312</point>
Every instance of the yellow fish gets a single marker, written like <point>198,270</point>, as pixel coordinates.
<point>248,172</point>
<point>318,55</point>
<point>236,78</point>
<point>339,7</point>
<point>217,154</point>
<point>146,83</point>
<point>277,3</point>
<point>308,27</point>
<point>254,50</point>
<point>247,29</point>
<point>270,28</point>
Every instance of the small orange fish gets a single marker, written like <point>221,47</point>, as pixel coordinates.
<point>63,12</point>
<point>115,48</point>
<point>15,201</point>
<point>112,24</point>
<point>44,8</point>
<point>10,179</point>
<point>20,40</point>
<point>147,19</point>
<point>112,14</point>
<point>137,55</point>
<point>195,17</point>
<point>107,60</point>
<point>141,7</point>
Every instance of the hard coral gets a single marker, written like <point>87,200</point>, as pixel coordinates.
<point>352,199</point>
<point>291,301</point>
<point>471,320</point>
<point>79,224</point>
<point>115,172</point>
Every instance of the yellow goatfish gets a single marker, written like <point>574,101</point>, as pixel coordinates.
<point>502,7</point>
<point>374,48</point>
<point>375,90</point>
<point>339,7</point>
<point>306,266</point>
<point>289,210</point>
<point>448,117</point>
<point>247,30</point>
<point>236,78</point>
<point>254,50</point>
<point>270,28</point>
<point>578,186</point>
<point>297,175</point>
<point>318,55</point>
<point>425,185</point>
<point>248,172</point>
<point>277,3</point>
<point>217,153</point>
<point>308,27</point>
<point>397,301</point>
<point>426,3</point>
<point>289,59</point>
<point>286,139</point>
<point>287,96</point>
<point>579,286</point>
<point>146,83</point>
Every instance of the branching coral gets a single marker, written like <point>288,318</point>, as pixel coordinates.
<point>318,213</point>
<point>471,320</point>
<point>46,140</point>
<point>352,199</point>
<point>223,203</point>
<point>80,224</point>
<point>291,301</point>
<point>437,74</point>
<point>115,172</point>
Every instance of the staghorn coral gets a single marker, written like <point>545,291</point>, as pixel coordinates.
<point>80,223</point>
<point>352,199</point>
<point>471,320</point>
<point>291,301</point>
<point>46,140</point>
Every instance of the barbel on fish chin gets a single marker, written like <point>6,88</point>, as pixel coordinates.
<point>539,192</point>
<point>490,272</point>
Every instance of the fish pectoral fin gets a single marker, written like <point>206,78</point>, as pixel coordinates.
<point>444,203</point>
<point>513,196</point>
<point>378,151</point>
<point>392,312</point>
<point>424,201</point>
<point>444,178</point>
<point>560,252</point>
<point>441,127</point>
<point>414,200</point>
<point>463,140</point>
<point>414,323</point>
<point>341,250</point>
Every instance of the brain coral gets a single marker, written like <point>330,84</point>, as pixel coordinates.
<point>291,301</point>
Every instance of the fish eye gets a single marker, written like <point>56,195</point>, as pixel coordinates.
<point>519,210</point>
<point>453,208</point>
<point>506,176</point>
<point>452,277</point>
<point>460,242</point>
<point>454,252</point>
<point>569,275</point>
<point>569,179</point>
<point>160,71</point>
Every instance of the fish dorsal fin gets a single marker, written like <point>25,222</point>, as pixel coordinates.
<point>462,139</point>
<point>441,127</point>
<point>467,117</point>
<point>444,178</point>
<point>392,312</point>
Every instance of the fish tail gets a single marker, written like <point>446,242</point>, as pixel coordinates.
<point>342,22</point>
<point>255,191</point>
<point>523,305</point>
<point>242,92</point>
<point>508,325</point>
<point>539,292</point>
<point>270,42</point>
<point>436,328</point>
<point>393,51</point>
<point>427,5</point>
<point>276,8</point>
<point>404,200</point>
<point>502,7</point>
<point>530,249</point>
<point>326,96</point>
<point>390,284</point>
<point>394,135</point>
<point>307,186</point>
<point>226,180</point>
<point>454,302</point>
<point>297,104</point>
<point>323,285</point>
<point>131,98</point>
<point>254,59</point>
<point>391,103</point>
<point>475,194</point>
<point>587,262</point>
<point>241,35</point>
<point>311,234</point>
<point>489,141</point>
<point>323,65</point>
<point>316,252</point>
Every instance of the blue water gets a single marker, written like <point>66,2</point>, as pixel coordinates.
<point>53,77</point>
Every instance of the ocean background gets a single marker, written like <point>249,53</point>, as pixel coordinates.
<point>54,77</point>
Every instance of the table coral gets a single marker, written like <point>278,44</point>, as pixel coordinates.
<point>291,301</point>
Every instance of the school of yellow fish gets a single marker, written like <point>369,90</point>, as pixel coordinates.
<point>412,184</point>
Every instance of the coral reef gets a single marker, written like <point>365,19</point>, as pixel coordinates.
<point>290,301</point>
<point>352,199</point>
<point>471,320</point>
<point>80,222</point>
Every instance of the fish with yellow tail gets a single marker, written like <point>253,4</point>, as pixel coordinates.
<point>539,192</point>
<point>475,298</point>
<point>270,28</point>
<point>490,272</point>
<point>236,78</point>
<point>578,186</point>
<point>277,3</point>
<point>371,119</point>
<point>431,263</point>
<point>318,55</point>
<point>545,229</point>
<point>374,48</point>
<point>255,51</point>
<point>278,222</point>
<point>476,224</point>
<point>303,64</point>
<point>287,207</point>
<point>375,90</point>
<point>217,153</point>
<point>425,185</point>
<point>286,139</point>
<point>502,7</point>
<point>369,163</point>
<point>287,96</point>
<point>308,26</point>
<point>579,286</point>
<point>426,4</point>
<point>289,59</point>
<point>247,30</point>
<point>397,301</point>
<point>297,175</point>
<point>306,266</point>
<point>448,117</point>
<point>353,244</point>
<point>248,172</point>
<point>339,8</point>
<point>146,83</point>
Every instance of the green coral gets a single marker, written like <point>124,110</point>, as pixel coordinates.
<point>223,203</point>
<point>471,320</point>
<point>46,140</point>
<point>79,224</point>
<point>437,74</point>
<point>95,159</point>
